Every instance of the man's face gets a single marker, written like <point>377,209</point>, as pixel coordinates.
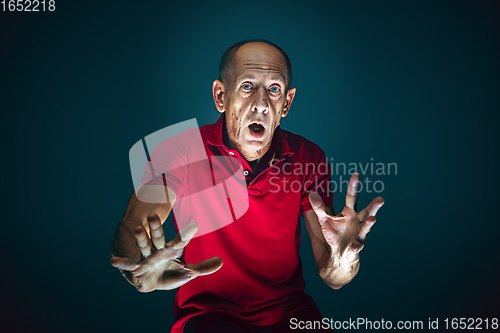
<point>256,99</point>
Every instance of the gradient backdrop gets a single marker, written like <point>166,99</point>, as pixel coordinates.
<point>413,83</point>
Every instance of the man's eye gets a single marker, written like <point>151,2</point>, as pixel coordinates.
<point>246,86</point>
<point>275,89</point>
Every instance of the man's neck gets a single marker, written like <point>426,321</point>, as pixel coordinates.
<point>253,157</point>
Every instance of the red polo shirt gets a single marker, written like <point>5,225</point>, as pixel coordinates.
<point>261,279</point>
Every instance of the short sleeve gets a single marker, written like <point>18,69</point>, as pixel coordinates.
<point>167,166</point>
<point>319,180</point>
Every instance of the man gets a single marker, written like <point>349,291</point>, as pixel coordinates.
<point>260,286</point>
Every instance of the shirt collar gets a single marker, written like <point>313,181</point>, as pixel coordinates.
<point>279,143</point>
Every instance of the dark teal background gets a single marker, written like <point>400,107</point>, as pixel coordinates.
<point>413,83</point>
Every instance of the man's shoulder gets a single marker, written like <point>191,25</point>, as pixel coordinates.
<point>179,141</point>
<point>207,130</point>
<point>300,145</point>
<point>207,127</point>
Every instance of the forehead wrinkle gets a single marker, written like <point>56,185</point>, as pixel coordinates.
<point>271,68</point>
<point>253,64</point>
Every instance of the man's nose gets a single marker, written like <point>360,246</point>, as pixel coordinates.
<point>260,103</point>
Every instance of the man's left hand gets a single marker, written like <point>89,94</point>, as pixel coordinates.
<point>346,232</point>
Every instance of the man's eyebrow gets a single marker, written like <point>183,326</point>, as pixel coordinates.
<point>247,76</point>
<point>274,78</point>
<point>280,78</point>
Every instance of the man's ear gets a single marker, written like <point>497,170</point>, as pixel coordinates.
<point>218,91</point>
<point>290,94</point>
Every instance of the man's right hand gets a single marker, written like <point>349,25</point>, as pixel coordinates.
<point>160,266</point>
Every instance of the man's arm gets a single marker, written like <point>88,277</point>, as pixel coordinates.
<point>337,240</point>
<point>124,243</point>
<point>139,249</point>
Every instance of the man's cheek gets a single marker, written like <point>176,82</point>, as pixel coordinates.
<point>277,120</point>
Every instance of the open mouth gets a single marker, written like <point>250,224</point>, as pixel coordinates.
<point>256,128</point>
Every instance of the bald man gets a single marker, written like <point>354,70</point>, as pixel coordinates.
<point>247,276</point>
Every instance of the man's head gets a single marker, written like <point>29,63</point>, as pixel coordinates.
<point>254,93</point>
<point>227,64</point>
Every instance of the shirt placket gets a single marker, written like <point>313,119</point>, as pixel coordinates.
<point>246,166</point>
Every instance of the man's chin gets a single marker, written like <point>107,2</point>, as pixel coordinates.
<point>254,145</point>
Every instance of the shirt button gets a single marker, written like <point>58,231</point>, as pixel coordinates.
<point>245,172</point>
<point>231,153</point>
